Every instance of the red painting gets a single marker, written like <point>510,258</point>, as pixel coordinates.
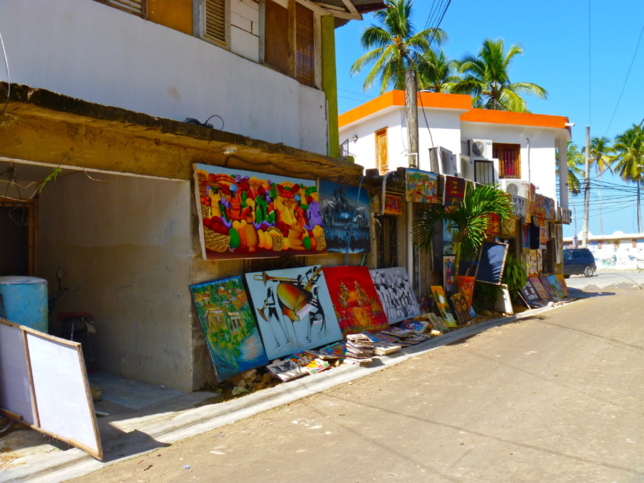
<point>393,204</point>
<point>454,191</point>
<point>355,300</point>
<point>465,285</point>
<point>493,225</point>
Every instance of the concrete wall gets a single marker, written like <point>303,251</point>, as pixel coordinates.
<point>91,51</point>
<point>538,164</point>
<point>126,249</point>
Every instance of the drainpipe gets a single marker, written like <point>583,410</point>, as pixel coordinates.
<point>529,174</point>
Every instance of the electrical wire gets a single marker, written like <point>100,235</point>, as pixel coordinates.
<point>6,63</point>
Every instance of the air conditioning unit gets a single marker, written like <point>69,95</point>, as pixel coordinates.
<point>465,166</point>
<point>516,187</point>
<point>441,161</point>
<point>486,171</point>
<point>481,148</point>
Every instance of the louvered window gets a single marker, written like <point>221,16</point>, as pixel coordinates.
<point>214,28</point>
<point>304,46</point>
<point>136,7</point>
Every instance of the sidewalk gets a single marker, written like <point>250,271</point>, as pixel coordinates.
<point>171,416</point>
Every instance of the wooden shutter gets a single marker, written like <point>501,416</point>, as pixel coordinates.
<point>215,20</point>
<point>136,7</point>
<point>277,51</point>
<point>382,162</point>
<point>509,156</point>
<point>304,45</point>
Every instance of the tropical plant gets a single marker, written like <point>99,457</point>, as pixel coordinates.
<point>436,72</point>
<point>575,172</point>
<point>629,157</point>
<point>599,157</point>
<point>396,47</point>
<point>469,221</point>
<point>486,78</point>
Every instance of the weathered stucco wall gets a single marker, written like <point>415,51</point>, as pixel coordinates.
<point>97,53</point>
<point>125,246</point>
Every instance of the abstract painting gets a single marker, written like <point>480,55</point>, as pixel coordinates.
<point>396,294</point>
<point>345,214</point>
<point>443,306</point>
<point>393,204</point>
<point>229,326</point>
<point>251,215</point>
<point>293,310</point>
<point>461,308</point>
<point>449,276</point>
<point>421,186</point>
<point>355,300</point>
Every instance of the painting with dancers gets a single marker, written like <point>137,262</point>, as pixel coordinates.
<point>293,310</point>
<point>229,327</point>
<point>396,294</point>
<point>345,215</point>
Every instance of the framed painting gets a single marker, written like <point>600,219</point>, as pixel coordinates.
<point>449,276</point>
<point>293,310</point>
<point>229,327</point>
<point>438,323</point>
<point>421,186</point>
<point>396,294</point>
<point>491,262</point>
<point>442,305</point>
<point>355,300</point>
<point>254,215</point>
<point>563,284</point>
<point>556,288</point>
<point>454,190</point>
<point>465,285</point>
<point>346,218</point>
<point>531,295</point>
<point>461,308</point>
<point>547,286</point>
<point>393,204</point>
<point>538,286</point>
<point>448,238</point>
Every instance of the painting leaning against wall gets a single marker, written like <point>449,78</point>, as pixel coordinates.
<point>228,324</point>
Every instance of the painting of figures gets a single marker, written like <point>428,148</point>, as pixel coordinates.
<point>443,306</point>
<point>461,309</point>
<point>345,214</point>
<point>254,215</point>
<point>293,310</point>
<point>396,294</point>
<point>229,326</point>
<point>421,186</point>
<point>355,300</point>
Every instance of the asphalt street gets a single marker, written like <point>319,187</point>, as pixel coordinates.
<point>554,397</point>
<point>608,279</point>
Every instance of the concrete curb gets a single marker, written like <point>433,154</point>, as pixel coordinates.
<point>144,434</point>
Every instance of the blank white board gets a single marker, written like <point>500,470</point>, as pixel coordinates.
<point>15,388</point>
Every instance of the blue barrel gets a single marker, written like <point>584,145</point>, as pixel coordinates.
<point>25,301</point>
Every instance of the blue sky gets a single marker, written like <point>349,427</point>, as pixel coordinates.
<point>582,61</point>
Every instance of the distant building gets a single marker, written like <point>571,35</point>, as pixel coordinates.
<point>619,250</point>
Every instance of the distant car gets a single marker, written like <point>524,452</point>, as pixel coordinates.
<point>579,261</point>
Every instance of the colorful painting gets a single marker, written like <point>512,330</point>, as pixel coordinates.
<point>465,285</point>
<point>438,323</point>
<point>461,308</point>
<point>546,285</point>
<point>449,276</point>
<point>531,295</point>
<point>443,307</point>
<point>509,227</point>
<point>554,284</point>
<point>393,204</point>
<point>563,284</point>
<point>228,324</point>
<point>251,215</point>
<point>395,292</point>
<point>421,186</point>
<point>355,300</point>
<point>448,238</point>
<point>345,213</point>
<point>454,191</point>
<point>493,225</point>
<point>538,286</point>
<point>293,310</point>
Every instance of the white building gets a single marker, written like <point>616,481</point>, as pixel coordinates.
<point>483,145</point>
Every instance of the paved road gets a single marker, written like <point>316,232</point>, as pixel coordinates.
<point>609,279</point>
<point>557,397</point>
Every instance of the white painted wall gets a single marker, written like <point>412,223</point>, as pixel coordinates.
<point>94,52</point>
<point>538,165</point>
<point>444,131</point>
<point>126,248</point>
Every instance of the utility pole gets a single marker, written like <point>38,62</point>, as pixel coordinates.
<point>584,232</point>
<point>411,112</point>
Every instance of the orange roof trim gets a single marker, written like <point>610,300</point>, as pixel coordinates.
<point>514,118</point>
<point>397,98</point>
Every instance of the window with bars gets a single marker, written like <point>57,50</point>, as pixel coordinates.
<point>509,156</point>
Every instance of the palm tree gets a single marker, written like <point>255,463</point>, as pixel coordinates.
<point>396,47</point>
<point>486,77</point>
<point>599,157</point>
<point>436,73</point>
<point>629,149</point>
<point>575,172</point>
<point>469,221</point>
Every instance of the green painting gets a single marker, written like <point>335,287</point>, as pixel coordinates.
<point>229,326</point>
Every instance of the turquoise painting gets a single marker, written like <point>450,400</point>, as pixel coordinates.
<point>229,326</point>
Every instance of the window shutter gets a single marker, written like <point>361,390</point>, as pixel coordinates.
<point>304,45</point>
<point>136,7</point>
<point>215,20</point>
